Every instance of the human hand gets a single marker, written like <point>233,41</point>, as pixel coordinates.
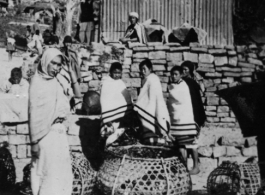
<point>171,138</point>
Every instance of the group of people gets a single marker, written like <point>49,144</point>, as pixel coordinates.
<point>175,123</point>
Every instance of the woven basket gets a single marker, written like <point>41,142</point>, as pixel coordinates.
<point>224,180</point>
<point>7,169</point>
<point>84,175</point>
<point>122,174</point>
<point>250,177</point>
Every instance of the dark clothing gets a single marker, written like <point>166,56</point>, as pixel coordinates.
<point>196,100</point>
<point>50,39</point>
<point>191,37</point>
<point>87,12</point>
<point>131,33</point>
<point>156,36</point>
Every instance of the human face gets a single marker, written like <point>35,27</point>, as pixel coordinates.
<point>175,76</point>
<point>133,20</point>
<point>54,66</point>
<point>186,71</point>
<point>116,74</point>
<point>145,71</point>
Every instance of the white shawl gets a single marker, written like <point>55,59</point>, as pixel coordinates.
<point>115,100</point>
<point>180,110</point>
<point>151,106</point>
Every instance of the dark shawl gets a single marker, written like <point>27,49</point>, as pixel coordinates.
<point>196,100</point>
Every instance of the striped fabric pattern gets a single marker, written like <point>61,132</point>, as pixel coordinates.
<point>184,129</point>
<point>115,114</point>
<point>184,134</point>
<point>148,121</point>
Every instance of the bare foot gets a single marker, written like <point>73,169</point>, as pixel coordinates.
<point>194,171</point>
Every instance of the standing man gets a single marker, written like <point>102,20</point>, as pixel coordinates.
<point>86,21</point>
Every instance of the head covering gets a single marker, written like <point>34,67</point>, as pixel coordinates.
<point>47,57</point>
<point>134,14</point>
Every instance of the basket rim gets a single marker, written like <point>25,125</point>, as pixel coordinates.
<point>138,158</point>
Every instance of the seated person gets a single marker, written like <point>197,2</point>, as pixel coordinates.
<point>152,109</point>
<point>134,33</point>
<point>16,84</point>
<point>116,104</point>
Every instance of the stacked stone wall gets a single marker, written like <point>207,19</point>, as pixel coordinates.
<point>220,67</point>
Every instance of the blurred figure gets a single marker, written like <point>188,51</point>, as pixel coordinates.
<point>16,84</point>
<point>86,21</point>
<point>10,48</point>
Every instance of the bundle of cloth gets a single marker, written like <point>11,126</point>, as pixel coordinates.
<point>153,113</point>
<point>187,34</point>
<point>116,104</point>
<point>155,32</point>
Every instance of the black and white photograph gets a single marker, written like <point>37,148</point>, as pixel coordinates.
<point>132,97</point>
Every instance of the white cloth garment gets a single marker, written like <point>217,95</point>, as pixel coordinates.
<point>52,171</point>
<point>151,106</point>
<point>115,100</point>
<point>183,126</point>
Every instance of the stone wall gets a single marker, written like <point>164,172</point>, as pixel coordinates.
<point>221,67</point>
<point>216,144</point>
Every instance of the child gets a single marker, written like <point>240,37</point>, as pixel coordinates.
<point>16,84</point>
<point>183,127</point>
<point>10,45</point>
<point>116,104</point>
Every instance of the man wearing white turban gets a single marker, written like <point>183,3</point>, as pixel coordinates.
<point>135,32</point>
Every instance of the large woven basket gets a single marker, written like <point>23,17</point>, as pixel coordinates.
<point>250,177</point>
<point>84,175</point>
<point>224,180</point>
<point>124,174</point>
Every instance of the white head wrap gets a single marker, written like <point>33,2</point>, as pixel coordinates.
<point>47,57</point>
<point>134,14</point>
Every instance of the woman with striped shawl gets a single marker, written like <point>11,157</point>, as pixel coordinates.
<point>116,104</point>
<point>183,126</point>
